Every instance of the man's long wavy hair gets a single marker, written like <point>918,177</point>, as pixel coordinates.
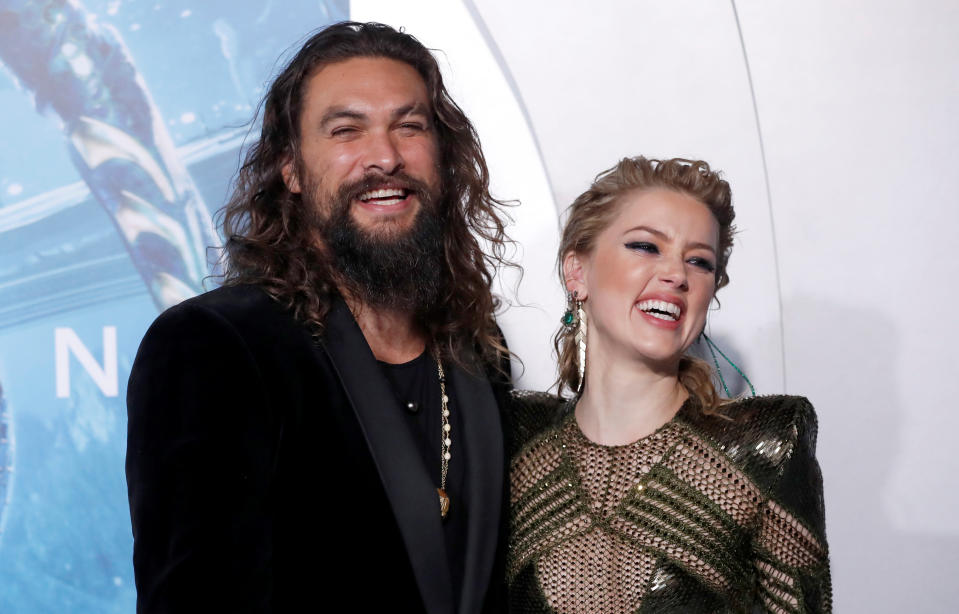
<point>270,242</point>
<point>593,211</point>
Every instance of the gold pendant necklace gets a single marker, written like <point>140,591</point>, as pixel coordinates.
<point>445,442</point>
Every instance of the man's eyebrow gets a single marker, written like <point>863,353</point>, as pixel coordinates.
<point>662,235</point>
<point>335,113</point>
<point>413,108</point>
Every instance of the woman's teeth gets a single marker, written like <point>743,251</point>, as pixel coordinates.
<point>661,309</point>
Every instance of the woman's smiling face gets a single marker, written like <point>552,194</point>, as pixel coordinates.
<point>649,278</point>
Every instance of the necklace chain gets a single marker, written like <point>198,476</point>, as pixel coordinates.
<point>445,440</point>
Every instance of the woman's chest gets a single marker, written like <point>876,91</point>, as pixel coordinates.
<point>616,528</point>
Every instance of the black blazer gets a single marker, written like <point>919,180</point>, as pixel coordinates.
<point>270,473</point>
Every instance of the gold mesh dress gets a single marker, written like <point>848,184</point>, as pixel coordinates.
<point>707,514</point>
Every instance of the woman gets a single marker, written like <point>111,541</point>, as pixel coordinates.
<point>647,492</point>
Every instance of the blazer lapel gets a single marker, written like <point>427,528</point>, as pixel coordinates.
<point>483,435</point>
<point>408,486</point>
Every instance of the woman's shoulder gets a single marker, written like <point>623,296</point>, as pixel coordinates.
<point>530,413</point>
<point>770,410</point>
<point>761,433</point>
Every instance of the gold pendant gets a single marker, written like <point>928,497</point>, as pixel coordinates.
<point>444,502</point>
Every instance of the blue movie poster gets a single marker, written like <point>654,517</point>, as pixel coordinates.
<point>123,123</point>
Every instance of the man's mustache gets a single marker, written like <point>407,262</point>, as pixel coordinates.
<point>348,192</point>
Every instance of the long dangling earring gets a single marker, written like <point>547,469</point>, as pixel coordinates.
<point>712,351</point>
<point>574,320</point>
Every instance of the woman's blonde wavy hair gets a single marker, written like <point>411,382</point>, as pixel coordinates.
<point>595,209</point>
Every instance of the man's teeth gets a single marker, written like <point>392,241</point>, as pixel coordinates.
<point>386,196</point>
<point>661,309</point>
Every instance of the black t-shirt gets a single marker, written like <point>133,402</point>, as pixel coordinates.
<point>418,382</point>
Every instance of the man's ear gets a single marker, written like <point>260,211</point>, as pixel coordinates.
<point>574,272</point>
<point>290,177</point>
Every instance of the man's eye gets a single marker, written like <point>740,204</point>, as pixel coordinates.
<point>343,131</point>
<point>643,246</point>
<point>703,263</point>
<point>412,127</point>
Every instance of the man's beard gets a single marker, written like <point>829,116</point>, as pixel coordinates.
<point>384,267</point>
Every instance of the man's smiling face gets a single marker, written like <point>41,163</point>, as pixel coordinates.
<point>367,142</point>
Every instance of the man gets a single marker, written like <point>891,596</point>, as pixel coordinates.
<point>321,433</point>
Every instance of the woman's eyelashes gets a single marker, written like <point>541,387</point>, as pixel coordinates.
<point>643,246</point>
<point>702,263</point>
<point>651,248</point>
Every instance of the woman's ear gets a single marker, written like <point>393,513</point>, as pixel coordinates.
<point>574,272</point>
<point>290,177</point>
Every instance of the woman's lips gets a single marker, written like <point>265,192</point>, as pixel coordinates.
<point>661,313</point>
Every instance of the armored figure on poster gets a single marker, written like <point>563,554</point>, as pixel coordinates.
<point>324,428</point>
<point>81,70</point>
<point>648,491</point>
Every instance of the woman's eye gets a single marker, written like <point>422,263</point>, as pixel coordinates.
<point>704,264</point>
<point>643,246</point>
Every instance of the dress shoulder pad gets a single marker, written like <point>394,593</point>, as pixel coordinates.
<point>760,434</point>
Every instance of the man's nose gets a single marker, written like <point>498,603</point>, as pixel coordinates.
<point>382,153</point>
